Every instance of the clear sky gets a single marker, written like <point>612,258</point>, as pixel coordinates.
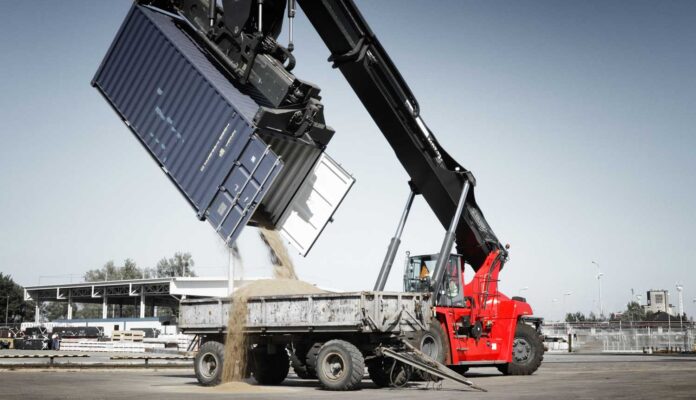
<point>578,120</point>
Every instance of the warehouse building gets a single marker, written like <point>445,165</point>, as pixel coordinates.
<point>145,294</point>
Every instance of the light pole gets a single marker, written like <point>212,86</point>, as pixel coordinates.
<point>680,289</point>
<point>566,294</point>
<point>599,284</point>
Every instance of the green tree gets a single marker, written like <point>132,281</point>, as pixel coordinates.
<point>131,271</point>
<point>12,301</point>
<point>54,310</point>
<point>592,317</point>
<point>575,317</point>
<point>179,265</point>
<point>634,312</point>
<point>111,272</point>
<point>88,311</point>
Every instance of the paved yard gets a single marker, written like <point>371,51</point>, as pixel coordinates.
<point>560,377</point>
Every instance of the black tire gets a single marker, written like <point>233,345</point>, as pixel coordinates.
<point>376,368</point>
<point>388,372</point>
<point>435,343</point>
<point>301,369</point>
<point>209,362</point>
<point>270,369</point>
<point>340,365</point>
<point>527,352</point>
<point>311,359</point>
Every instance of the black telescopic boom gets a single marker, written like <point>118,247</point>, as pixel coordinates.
<point>358,54</point>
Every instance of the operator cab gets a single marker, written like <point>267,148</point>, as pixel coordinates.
<point>418,272</point>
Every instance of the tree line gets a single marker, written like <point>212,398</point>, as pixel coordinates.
<point>634,312</point>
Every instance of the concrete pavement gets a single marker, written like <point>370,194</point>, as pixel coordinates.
<point>560,377</point>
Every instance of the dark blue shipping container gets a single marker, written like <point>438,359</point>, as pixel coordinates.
<point>190,118</point>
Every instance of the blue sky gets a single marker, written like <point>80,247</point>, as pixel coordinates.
<point>576,118</point>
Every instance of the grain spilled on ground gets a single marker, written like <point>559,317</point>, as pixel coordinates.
<point>229,387</point>
<point>243,387</point>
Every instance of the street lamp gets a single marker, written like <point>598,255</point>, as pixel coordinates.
<point>680,289</point>
<point>566,294</point>
<point>523,289</point>
<point>599,284</point>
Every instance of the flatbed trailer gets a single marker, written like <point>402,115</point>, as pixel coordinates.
<point>330,336</point>
<point>327,336</point>
<point>358,312</point>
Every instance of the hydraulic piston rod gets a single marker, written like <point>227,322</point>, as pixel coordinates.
<point>448,242</point>
<point>393,246</point>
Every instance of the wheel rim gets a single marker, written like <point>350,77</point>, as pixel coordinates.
<point>521,350</point>
<point>208,365</point>
<point>429,347</point>
<point>333,366</point>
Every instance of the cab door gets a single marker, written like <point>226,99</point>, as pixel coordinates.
<point>453,304</point>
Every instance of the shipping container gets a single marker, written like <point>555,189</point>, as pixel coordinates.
<point>199,128</point>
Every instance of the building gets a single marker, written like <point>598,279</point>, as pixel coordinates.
<point>658,301</point>
<point>145,294</point>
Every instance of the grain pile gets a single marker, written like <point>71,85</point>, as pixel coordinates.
<point>277,287</point>
<point>285,282</point>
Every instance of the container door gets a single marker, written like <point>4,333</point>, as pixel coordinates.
<point>314,204</point>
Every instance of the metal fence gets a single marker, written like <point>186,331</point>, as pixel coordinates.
<point>623,337</point>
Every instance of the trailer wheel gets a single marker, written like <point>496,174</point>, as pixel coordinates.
<point>302,370</point>
<point>311,359</point>
<point>388,372</point>
<point>208,363</point>
<point>270,369</point>
<point>527,352</point>
<point>340,365</point>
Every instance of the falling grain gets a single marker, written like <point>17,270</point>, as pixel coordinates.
<point>235,359</point>
<point>283,267</point>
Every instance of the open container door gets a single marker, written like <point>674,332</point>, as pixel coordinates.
<point>314,204</point>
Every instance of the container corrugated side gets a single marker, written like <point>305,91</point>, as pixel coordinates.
<point>190,118</point>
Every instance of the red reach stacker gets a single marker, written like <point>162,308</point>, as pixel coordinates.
<point>208,89</point>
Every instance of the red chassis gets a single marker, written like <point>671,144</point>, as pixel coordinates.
<point>479,325</point>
